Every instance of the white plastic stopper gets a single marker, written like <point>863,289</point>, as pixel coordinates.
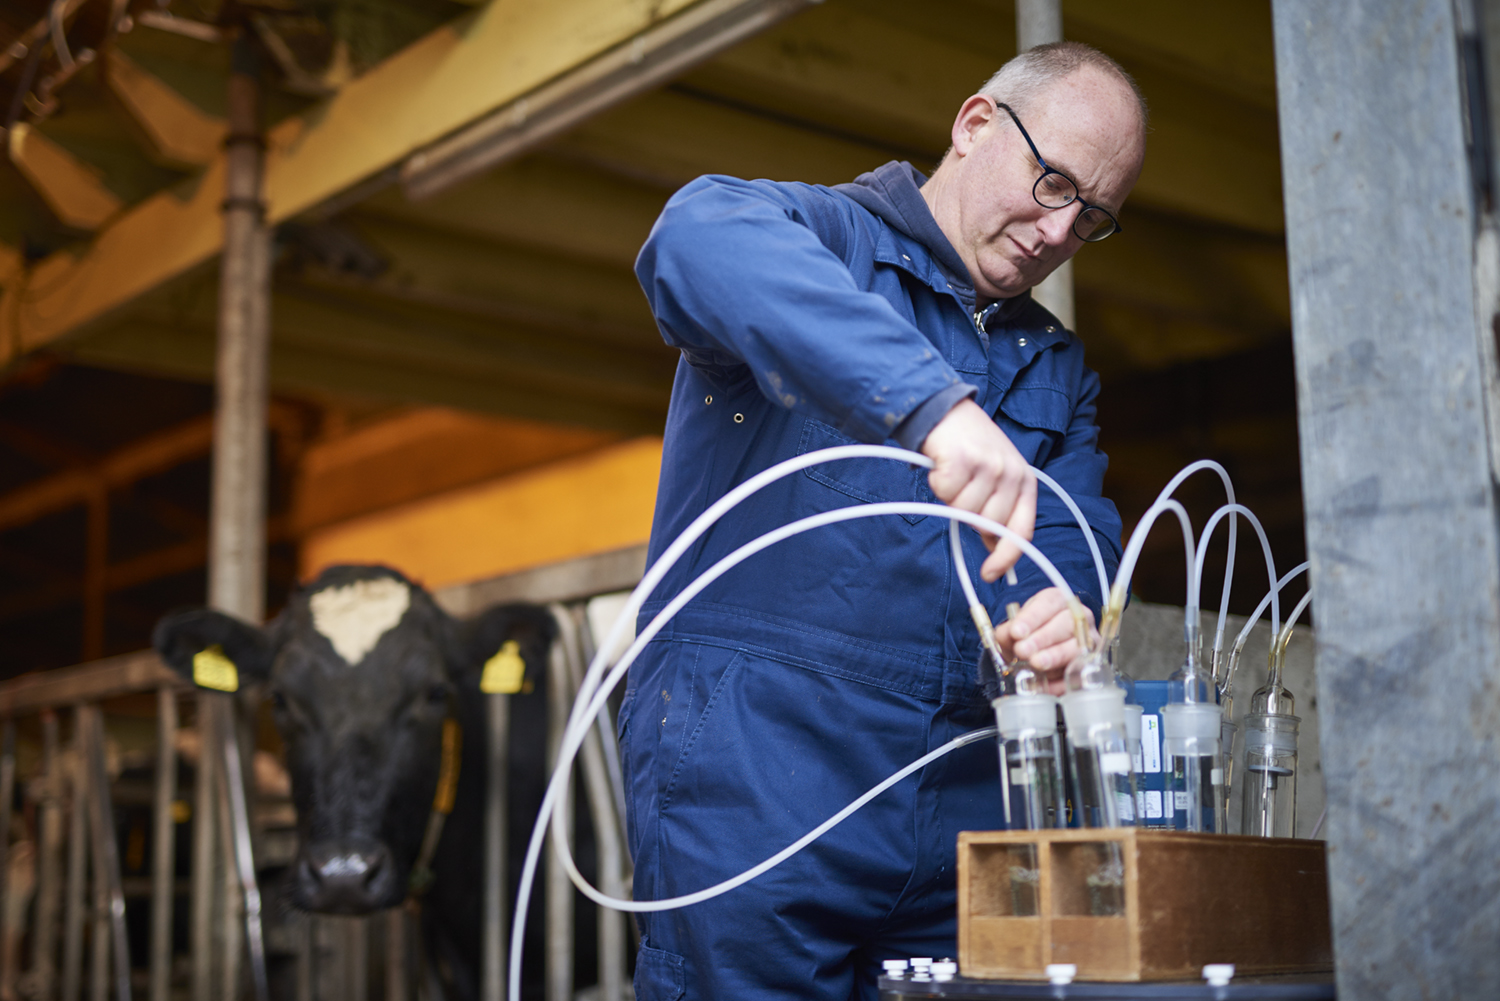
<point>1091,707</point>
<point>921,963</point>
<point>1061,973</point>
<point>1218,974</point>
<point>944,969</point>
<point>894,967</point>
<point>1021,716</point>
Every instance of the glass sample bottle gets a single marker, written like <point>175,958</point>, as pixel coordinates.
<point>1190,744</point>
<point>1030,761</point>
<point>1270,775</point>
<point>1099,757</point>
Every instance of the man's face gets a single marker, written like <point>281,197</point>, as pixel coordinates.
<point>1086,126</point>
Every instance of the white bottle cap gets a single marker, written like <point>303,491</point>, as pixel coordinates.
<point>1022,716</point>
<point>894,967</point>
<point>944,969</point>
<point>1062,973</point>
<point>1190,728</point>
<point>1218,974</point>
<point>921,963</point>
<point>1091,707</point>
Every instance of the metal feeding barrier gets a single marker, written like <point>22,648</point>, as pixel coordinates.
<point>86,905</point>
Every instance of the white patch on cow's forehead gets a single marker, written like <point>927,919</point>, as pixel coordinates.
<point>355,616</point>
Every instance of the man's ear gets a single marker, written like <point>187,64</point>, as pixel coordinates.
<point>502,647</point>
<point>213,650</point>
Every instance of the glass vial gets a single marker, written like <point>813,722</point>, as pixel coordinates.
<point>1190,743</point>
<point>1270,775</point>
<point>1099,757</point>
<point>1030,762</point>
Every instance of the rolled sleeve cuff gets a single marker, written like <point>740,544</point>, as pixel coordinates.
<point>912,432</point>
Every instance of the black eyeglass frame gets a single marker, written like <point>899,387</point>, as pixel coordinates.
<point>1071,183</point>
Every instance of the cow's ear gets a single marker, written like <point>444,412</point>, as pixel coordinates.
<point>213,650</point>
<point>503,647</point>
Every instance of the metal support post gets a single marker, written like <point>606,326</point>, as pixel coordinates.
<point>44,938</point>
<point>7,797</point>
<point>164,841</point>
<point>608,823</point>
<point>1386,220</point>
<point>237,520</point>
<point>109,896</point>
<point>73,906</point>
<point>496,928</point>
<point>1037,23</point>
<point>559,889</point>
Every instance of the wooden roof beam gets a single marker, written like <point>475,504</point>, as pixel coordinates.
<point>435,87</point>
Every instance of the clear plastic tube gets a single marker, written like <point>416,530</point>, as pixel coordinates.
<point>582,715</point>
<point>1110,624</point>
<point>1227,682</point>
<point>1171,488</point>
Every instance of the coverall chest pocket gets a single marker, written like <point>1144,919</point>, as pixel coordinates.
<point>865,479</point>
<point>1035,419</point>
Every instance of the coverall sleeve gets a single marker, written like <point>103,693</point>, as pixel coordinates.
<point>1078,466</point>
<point>749,273</point>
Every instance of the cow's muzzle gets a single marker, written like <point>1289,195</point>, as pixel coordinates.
<point>346,876</point>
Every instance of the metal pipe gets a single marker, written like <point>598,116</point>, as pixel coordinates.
<point>227,913</point>
<point>73,916</point>
<point>496,928</point>
<point>44,938</point>
<point>244,859</point>
<point>395,954</point>
<point>7,797</point>
<point>204,843</point>
<point>354,940</point>
<point>559,889</point>
<point>109,925</point>
<point>607,837</point>
<point>163,845</point>
<point>1037,23</point>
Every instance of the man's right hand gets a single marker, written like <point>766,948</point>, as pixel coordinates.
<point>978,469</point>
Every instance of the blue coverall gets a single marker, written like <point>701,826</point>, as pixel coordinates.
<point>807,317</point>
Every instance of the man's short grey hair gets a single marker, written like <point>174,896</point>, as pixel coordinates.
<point>1022,80</point>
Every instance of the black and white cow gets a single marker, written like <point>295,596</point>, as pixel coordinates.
<point>362,668</point>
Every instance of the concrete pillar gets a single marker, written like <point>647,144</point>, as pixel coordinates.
<point>1385,236</point>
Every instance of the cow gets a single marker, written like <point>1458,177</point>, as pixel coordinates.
<point>363,670</point>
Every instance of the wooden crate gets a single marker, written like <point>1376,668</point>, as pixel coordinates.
<point>1128,904</point>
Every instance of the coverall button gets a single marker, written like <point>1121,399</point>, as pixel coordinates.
<point>708,400</point>
<point>1051,330</point>
<point>739,418</point>
<point>1021,341</point>
<point>905,258</point>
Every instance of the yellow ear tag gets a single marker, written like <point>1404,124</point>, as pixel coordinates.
<point>211,669</point>
<point>504,672</point>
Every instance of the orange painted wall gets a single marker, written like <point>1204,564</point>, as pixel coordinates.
<point>586,504</point>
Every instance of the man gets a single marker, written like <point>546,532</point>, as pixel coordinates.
<point>887,309</point>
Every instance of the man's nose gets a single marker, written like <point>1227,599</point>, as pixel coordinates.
<point>1056,225</point>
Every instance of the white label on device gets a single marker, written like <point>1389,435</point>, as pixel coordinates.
<point>1126,808</point>
<point>1114,762</point>
<point>1020,777</point>
<point>1151,743</point>
<point>1153,803</point>
<point>1182,800</point>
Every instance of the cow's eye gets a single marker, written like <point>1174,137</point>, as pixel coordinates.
<point>437,693</point>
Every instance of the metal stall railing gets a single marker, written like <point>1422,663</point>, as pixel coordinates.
<point>63,893</point>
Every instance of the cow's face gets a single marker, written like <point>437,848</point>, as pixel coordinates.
<point>362,669</point>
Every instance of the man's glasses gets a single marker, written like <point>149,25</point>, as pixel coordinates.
<point>1055,190</point>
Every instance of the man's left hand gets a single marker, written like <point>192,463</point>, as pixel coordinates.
<point>1043,636</point>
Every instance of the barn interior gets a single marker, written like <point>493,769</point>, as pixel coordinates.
<point>488,329</point>
<point>445,198</point>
